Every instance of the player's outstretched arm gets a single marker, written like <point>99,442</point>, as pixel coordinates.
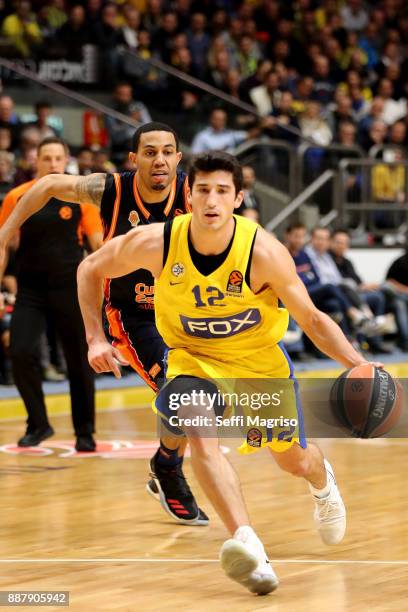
<point>139,248</point>
<point>75,189</point>
<point>273,266</point>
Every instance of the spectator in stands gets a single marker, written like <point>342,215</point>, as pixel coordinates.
<point>102,163</point>
<point>218,73</point>
<point>342,111</point>
<point>346,134</point>
<point>43,119</point>
<point>393,73</point>
<point>85,161</point>
<point>374,114</point>
<point>265,96</point>
<point>393,109</point>
<point>326,296</point>
<point>249,55</point>
<point>254,80</point>
<point>6,173</point>
<point>250,201</point>
<point>120,134</point>
<point>130,30</point>
<point>354,15</point>
<point>107,35</point>
<point>5,139</point>
<point>376,135</point>
<point>26,166</point>
<point>328,272</point>
<point>162,39</point>
<point>198,43</point>
<point>323,88</point>
<point>75,33</point>
<point>30,138</point>
<point>55,14</point>
<point>370,42</point>
<point>281,118</point>
<point>152,16</point>
<point>232,38</point>
<point>370,292</point>
<point>398,134</point>
<point>217,135</point>
<point>388,187</point>
<point>302,93</point>
<point>397,289</point>
<point>313,125</point>
<point>9,119</point>
<point>93,12</point>
<point>22,30</point>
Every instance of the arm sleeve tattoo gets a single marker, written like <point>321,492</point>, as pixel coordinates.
<point>89,189</point>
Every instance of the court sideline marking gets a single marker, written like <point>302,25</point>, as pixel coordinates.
<point>195,560</point>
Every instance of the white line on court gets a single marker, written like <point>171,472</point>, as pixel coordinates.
<point>195,560</point>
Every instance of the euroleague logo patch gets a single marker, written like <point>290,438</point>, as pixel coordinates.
<point>133,218</point>
<point>235,281</point>
<point>254,438</point>
<point>177,269</point>
<point>65,212</point>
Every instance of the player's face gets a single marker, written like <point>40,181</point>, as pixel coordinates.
<point>214,198</point>
<point>52,159</point>
<point>156,160</point>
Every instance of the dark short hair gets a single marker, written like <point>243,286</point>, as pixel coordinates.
<point>152,126</point>
<point>42,104</point>
<point>319,227</point>
<point>295,226</point>
<point>340,230</point>
<point>216,160</point>
<point>53,140</point>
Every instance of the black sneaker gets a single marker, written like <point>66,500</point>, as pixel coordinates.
<point>85,444</point>
<point>33,438</point>
<point>169,487</point>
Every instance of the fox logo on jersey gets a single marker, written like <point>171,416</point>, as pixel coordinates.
<point>221,327</point>
<point>133,218</point>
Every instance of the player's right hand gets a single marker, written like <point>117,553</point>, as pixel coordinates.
<point>103,357</point>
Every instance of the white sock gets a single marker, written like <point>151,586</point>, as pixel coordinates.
<point>320,493</point>
<point>244,533</point>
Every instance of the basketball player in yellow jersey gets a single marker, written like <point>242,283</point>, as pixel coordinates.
<point>218,281</point>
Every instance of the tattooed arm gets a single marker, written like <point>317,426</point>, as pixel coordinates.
<point>74,189</point>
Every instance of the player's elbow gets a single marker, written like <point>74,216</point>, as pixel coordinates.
<point>47,187</point>
<point>314,322</point>
<point>87,271</point>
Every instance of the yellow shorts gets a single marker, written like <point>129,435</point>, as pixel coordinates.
<point>264,410</point>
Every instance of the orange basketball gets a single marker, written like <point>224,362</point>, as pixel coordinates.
<point>366,401</point>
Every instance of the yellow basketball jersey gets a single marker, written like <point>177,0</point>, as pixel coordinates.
<point>217,319</point>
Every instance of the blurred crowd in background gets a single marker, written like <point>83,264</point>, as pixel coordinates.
<point>337,71</point>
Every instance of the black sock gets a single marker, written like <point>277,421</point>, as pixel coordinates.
<point>167,457</point>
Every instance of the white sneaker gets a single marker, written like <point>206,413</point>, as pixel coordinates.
<point>243,559</point>
<point>330,513</point>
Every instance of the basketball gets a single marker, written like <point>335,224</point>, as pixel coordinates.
<point>366,401</point>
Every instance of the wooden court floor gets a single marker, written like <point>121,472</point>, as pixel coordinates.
<point>87,526</point>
